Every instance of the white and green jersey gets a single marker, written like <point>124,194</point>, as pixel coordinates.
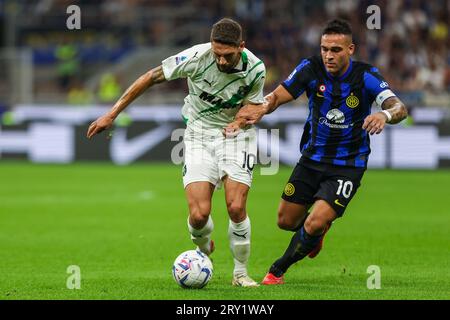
<point>214,96</point>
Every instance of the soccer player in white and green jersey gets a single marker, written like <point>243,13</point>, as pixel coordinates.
<point>222,76</point>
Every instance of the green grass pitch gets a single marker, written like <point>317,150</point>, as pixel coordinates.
<point>124,226</point>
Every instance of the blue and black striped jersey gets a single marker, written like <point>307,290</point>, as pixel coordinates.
<point>337,108</point>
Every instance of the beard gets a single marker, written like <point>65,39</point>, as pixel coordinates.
<point>225,68</point>
<point>228,67</point>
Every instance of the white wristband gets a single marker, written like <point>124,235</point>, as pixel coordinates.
<point>388,115</point>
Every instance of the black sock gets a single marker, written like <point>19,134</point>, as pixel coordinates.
<point>300,246</point>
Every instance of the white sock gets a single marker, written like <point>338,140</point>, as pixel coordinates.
<point>202,237</point>
<point>239,236</point>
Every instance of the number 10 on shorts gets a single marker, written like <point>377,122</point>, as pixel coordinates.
<point>344,187</point>
<point>249,161</point>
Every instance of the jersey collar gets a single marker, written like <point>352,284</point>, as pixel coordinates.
<point>242,64</point>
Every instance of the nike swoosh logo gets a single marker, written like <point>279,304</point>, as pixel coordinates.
<point>319,95</point>
<point>240,235</point>
<point>338,203</point>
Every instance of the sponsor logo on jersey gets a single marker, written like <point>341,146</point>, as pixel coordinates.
<point>335,119</point>
<point>218,102</point>
<point>336,116</point>
<point>384,84</point>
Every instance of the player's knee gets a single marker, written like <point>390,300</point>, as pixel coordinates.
<point>284,222</point>
<point>236,211</point>
<point>284,225</point>
<point>199,215</point>
<point>197,220</point>
<point>315,225</point>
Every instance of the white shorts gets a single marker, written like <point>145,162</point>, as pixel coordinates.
<point>210,157</point>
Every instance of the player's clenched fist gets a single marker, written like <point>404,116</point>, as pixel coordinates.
<point>374,123</point>
<point>99,125</point>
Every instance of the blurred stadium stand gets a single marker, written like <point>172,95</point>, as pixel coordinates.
<point>42,61</point>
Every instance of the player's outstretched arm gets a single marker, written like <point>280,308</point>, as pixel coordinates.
<point>144,82</point>
<point>393,112</point>
<point>252,113</point>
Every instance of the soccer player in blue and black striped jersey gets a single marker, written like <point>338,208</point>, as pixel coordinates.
<point>335,142</point>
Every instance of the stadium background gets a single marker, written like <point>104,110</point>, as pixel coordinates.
<point>106,204</point>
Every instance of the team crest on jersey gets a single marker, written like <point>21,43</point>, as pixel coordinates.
<point>322,88</point>
<point>289,190</point>
<point>352,101</point>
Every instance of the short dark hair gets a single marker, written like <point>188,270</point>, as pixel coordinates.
<point>338,26</point>
<point>227,31</point>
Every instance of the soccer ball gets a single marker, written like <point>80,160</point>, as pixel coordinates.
<point>192,269</point>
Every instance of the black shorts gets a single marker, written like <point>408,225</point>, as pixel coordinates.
<point>311,180</point>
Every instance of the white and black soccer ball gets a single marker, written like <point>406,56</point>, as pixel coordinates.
<point>192,269</point>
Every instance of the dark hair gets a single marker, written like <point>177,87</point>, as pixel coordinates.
<point>227,31</point>
<point>338,26</point>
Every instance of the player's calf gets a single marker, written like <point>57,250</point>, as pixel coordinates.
<point>318,248</point>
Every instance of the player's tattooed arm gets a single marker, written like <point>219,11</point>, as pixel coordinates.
<point>396,109</point>
<point>144,82</point>
<point>375,123</point>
